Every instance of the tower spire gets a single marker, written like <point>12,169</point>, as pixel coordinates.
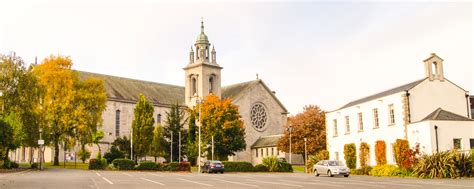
<point>202,25</point>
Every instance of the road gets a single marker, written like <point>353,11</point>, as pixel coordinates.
<point>71,179</point>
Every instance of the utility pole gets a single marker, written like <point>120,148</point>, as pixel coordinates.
<point>171,159</point>
<point>212,150</point>
<point>290,128</point>
<point>179,146</point>
<point>131,143</point>
<point>305,157</point>
<point>199,102</point>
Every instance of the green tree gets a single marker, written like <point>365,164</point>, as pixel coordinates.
<point>221,119</point>
<point>192,140</point>
<point>350,155</point>
<point>123,144</point>
<point>309,124</point>
<point>6,138</point>
<point>19,99</point>
<point>174,123</point>
<point>142,126</point>
<point>158,146</point>
<point>89,103</point>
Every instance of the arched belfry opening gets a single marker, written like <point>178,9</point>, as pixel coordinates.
<point>434,68</point>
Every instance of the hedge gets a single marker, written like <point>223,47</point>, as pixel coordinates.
<point>175,166</point>
<point>238,166</point>
<point>97,163</point>
<point>380,152</point>
<point>123,164</point>
<point>147,165</point>
<point>350,155</point>
<point>260,168</point>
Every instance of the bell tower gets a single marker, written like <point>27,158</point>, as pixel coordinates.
<point>434,68</point>
<point>202,74</point>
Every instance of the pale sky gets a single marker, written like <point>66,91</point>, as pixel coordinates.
<point>310,52</point>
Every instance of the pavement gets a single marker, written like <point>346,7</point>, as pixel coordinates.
<point>72,179</point>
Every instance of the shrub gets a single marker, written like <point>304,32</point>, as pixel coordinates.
<point>271,163</point>
<point>437,165</point>
<point>113,153</point>
<point>123,164</point>
<point>400,149</point>
<point>384,170</point>
<point>285,167</point>
<point>83,155</point>
<point>260,168</point>
<point>147,165</point>
<point>365,170</point>
<point>463,164</point>
<point>7,164</point>
<point>175,166</point>
<point>364,154</point>
<point>380,152</point>
<point>238,166</point>
<point>96,164</point>
<point>350,155</point>
<point>34,166</point>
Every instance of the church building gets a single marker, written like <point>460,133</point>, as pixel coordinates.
<point>264,116</point>
<point>431,112</point>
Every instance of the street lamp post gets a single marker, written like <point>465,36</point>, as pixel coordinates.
<point>179,146</point>
<point>40,153</point>
<point>290,128</point>
<point>171,159</point>
<point>199,136</point>
<point>131,143</point>
<point>305,157</point>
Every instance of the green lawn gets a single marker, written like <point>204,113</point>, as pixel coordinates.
<point>194,169</point>
<point>298,168</point>
<point>69,165</point>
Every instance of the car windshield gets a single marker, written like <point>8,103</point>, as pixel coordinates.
<point>216,162</point>
<point>335,163</point>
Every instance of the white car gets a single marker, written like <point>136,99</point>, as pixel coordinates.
<point>330,168</point>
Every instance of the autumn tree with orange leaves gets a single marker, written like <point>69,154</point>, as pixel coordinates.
<point>221,119</point>
<point>310,124</point>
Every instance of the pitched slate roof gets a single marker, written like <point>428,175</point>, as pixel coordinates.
<point>384,93</point>
<point>440,114</point>
<point>125,89</point>
<point>234,91</point>
<point>266,141</point>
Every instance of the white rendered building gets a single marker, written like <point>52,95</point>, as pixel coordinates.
<point>432,112</point>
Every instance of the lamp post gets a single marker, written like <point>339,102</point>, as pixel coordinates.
<point>40,152</point>
<point>199,102</point>
<point>171,159</point>
<point>179,146</point>
<point>131,143</point>
<point>305,157</point>
<point>212,148</point>
<point>290,128</point>
<point>436,135</point>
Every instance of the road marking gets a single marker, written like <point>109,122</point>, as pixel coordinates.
<point>155,174</point>
<point>277,183</point>
<point>153,181</point>
<point>97,174</point>
<point>251,185</point>
<point>127,174</point>
<point>313,183</point>
<point>110,182</point>
<point>352,183</point>
<point>388,183</point>
<point>186,180</point>
<point>95,183</point>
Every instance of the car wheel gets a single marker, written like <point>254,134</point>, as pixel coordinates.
<point>346,175</point>
<point>316,173</point>
<point>222,172</point>
<point>330,174</point>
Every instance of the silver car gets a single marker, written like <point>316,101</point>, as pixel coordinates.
<point>330,168</point>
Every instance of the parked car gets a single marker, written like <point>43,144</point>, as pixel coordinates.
<point>330,168</point>
<point>213,166</point>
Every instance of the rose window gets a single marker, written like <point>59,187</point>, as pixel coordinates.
<point>258,116</point>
